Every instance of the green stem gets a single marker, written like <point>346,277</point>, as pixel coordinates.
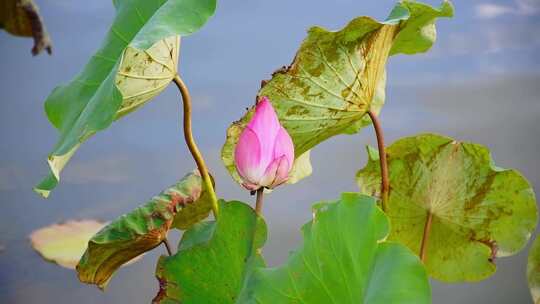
<point>385,181</point>
<point>258,211</point>
<point>259,201</point>
<point>192,146</point>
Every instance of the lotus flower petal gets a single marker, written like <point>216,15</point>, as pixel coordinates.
<point>269,174</point>
<point>247,156</point>
<point>283,146</point>
<point>264,154</point>
<point>282,172</point>
<point>266,125</point>
<point>250,186</point>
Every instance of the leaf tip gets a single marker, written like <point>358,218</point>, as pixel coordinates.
<point>41,192</point>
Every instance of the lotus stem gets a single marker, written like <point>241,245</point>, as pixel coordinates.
<point>259,201</point>
<point>385,181</point>
<point>167,246</point>
<point>425,237</point>
<point>258,211</point>
<point>192,146</point>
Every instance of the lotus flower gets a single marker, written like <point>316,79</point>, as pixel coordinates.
<point>264,154</point>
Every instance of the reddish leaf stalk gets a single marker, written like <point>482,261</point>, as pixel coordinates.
<point>192,146</point>
<point>385,181</point>
<point>425,237</point>
<point>167,246</point>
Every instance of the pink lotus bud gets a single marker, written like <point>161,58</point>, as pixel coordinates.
<point>264,154</point>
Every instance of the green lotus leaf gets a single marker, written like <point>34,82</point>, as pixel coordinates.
<point>22,18</point>
<point>132,234</point>
<point>336,77</point>
<point>476,211</point>
<point>136,61</point>
<point>213,258</point>
<point>533,270</point>
<point>344,259</point>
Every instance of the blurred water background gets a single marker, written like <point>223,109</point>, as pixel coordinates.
<point>479,83</point>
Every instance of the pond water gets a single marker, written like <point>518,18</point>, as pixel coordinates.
<point>120,168</point>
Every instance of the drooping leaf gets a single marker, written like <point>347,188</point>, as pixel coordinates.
<point>22,18</point>
<point>143,229</point>
<point>213,259</point>
<point>478,211</point>
<point>194,210</point>
<point>343,259</point>
<point>533,270</point>
<point>336,77</point>
<point>137,60</point>
<point>64,243</point>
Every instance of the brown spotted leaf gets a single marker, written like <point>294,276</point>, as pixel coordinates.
<point>336,77</point>
<point>143,229</point>
<point>137,60</point>
<point>478,211</point>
